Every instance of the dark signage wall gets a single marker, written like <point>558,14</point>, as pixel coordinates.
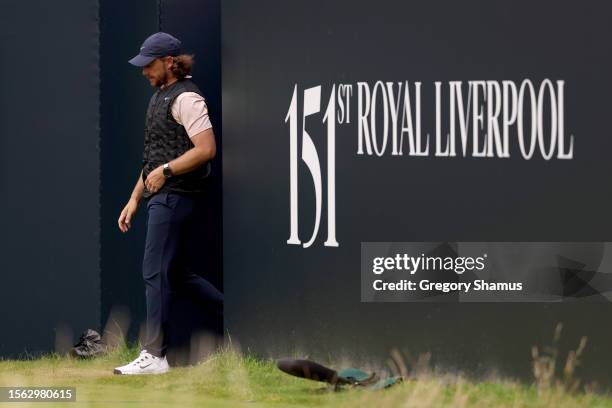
<point>471,121</point>
<point>49,178</point>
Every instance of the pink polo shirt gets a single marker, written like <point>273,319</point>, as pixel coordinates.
<point>189,109</point>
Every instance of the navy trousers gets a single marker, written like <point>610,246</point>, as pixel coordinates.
<point>167,267</point>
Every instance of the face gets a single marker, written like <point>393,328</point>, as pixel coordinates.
<point>157,71</point>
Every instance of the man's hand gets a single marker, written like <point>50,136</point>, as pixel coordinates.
<point>155,180</point>
<point>125,219</point>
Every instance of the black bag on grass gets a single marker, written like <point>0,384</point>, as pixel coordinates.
<point>90,345</point>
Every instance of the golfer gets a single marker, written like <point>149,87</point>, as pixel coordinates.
<point>179,144</point>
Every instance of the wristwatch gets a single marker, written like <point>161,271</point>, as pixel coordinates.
<point>167,171</point>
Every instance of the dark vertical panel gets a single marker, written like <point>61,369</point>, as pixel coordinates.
<point>197,25</point>
<point>281,298</point>
<point>49,172</point>
<point>124,96</point>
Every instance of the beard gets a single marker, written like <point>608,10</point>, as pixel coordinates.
<point>156,82</point>
<point>163,79</point>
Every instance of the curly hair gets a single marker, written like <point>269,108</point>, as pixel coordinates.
<point>181,65</point>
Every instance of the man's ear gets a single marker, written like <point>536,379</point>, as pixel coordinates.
<point>168,61</point>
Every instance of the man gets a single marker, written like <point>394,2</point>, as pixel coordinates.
<point>178,145</point>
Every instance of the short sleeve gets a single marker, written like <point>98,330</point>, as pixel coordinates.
<point>189,109</point>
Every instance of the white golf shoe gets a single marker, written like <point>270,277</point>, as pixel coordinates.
<point>145,363</point>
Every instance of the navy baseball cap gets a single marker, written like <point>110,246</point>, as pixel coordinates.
<point>156,46</point>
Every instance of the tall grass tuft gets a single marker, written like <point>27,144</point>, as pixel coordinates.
<point>545,365</point>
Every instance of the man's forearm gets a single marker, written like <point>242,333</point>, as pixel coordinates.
<point>191,160</point>
<point>138,189</point>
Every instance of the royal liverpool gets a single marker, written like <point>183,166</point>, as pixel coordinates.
<point>472,119</point>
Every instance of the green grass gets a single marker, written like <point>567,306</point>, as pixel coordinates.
<point>229,379</point>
